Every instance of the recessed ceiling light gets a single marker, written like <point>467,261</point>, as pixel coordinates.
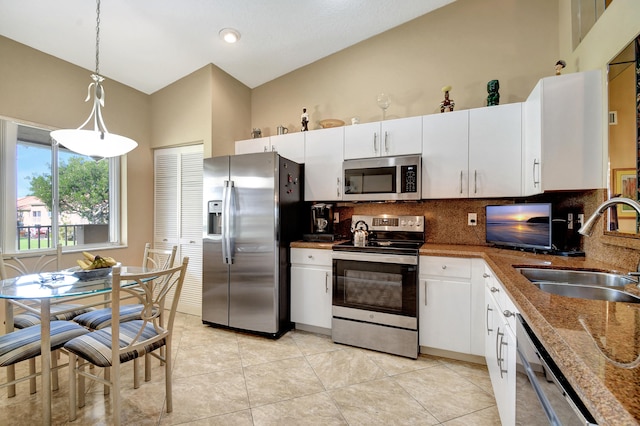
<point>229,35</point>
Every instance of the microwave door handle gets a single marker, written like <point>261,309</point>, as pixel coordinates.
<point>375,142</point>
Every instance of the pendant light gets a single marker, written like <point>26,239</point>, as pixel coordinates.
<point>97,142</point>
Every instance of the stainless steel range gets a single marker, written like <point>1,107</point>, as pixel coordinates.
<point>375,284</point>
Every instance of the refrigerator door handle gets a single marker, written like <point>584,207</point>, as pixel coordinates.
<point>231,222</point>
<point>225,222</point>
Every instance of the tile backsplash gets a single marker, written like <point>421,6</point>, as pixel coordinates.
<point>446,222</point>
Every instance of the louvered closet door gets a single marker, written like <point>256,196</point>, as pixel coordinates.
<point>178,215</point>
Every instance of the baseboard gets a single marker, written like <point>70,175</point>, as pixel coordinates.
<point>476,359</point>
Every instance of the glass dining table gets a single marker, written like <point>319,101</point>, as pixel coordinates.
<point>48,288</point>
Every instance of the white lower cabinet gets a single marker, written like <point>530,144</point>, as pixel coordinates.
<point>447,318</point>
<point>311,287</point>
<point>500,346</point>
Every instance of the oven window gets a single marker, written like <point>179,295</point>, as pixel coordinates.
<point>379,287</point>
<point>373,289</point>
<point>378,180</point>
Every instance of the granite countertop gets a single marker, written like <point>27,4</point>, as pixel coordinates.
<point>595,343</point>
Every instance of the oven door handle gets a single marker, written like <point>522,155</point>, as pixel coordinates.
<point>397,259</point>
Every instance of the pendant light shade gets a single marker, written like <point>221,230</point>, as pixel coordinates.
<point>97,142</point>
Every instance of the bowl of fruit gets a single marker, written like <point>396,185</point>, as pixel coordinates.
<point>93,267</point>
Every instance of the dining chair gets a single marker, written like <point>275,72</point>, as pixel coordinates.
<point>125,341</point>
<point>26,263</point>
<point>26,344</point>
<point>153,259</point>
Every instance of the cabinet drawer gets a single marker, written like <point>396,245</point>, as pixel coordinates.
<point>445,266</point>
<point>311,257</point>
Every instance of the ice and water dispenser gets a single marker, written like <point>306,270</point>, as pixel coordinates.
<point>214,217</point>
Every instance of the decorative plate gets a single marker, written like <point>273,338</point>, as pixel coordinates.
<point>331,122</point>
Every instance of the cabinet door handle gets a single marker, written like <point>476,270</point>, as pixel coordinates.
<point>444,266</point>
<point>265,148</point>
<point>475,181</point>
<point>507,313</point>
<point>498,349</point>
<point>386,145</point>
<point>494,290</point>
<point>338,187</point>
<point>489,330</point>
<point>326,282</point>
<point>502,360</point>
<point>425,293</point>
<point>460,182</point>
<point>536,163</point>
<point>485,275</point>
<point>273,148</point>
<point>375,143</point>
<point>310,256</point>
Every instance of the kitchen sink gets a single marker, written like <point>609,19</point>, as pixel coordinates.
<point>582,284</point>
<point>569,276</point>
<point>588,292</point>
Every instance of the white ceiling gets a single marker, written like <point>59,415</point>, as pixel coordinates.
<point>148,44</point>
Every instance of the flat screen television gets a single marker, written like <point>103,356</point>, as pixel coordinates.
<point>526,226</point>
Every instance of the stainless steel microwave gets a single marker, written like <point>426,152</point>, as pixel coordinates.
<point>382,179</point>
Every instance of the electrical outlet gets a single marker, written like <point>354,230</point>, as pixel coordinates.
<point>336,217</point>
<point>570,221</point>
<point>472,219</point>
<point>581,219</point>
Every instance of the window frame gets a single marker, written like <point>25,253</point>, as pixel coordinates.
<point>8,175</point>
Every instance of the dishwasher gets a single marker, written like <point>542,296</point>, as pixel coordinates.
<point>544,397</point>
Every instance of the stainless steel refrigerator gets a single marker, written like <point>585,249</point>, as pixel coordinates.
<point>252,212</point>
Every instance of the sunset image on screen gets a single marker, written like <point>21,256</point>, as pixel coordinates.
<point>526,225</point>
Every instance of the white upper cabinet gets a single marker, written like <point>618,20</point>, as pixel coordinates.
<point>323,164</point>
<point>250,146</point>
<point>472,153</point>
<point>445,155</point>
<point>402,136</point>
<point>563,147</point>
<point>290,146</point>
<point>495,151</point>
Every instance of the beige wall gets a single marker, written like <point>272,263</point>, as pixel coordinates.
<point>208,106</point>
<point>464,44</point>
<point>622,136</point>
<point>181,112</point>
<point>41,89</point>
<point>231,118</point>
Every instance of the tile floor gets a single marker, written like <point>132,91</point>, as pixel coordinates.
<point>226,378</point>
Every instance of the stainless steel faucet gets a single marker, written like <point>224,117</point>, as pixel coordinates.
<point>587,228</point>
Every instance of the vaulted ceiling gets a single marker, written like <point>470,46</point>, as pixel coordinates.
<point>148,44</point>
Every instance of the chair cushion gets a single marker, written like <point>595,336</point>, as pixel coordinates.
<point>23,344</point>
<point>101,318</point>
<point>28,319</point>
<point>95,346</point>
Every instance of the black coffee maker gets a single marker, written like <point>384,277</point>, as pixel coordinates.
<point>321,223</point>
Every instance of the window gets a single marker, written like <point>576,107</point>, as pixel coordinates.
<point>57,196</point>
